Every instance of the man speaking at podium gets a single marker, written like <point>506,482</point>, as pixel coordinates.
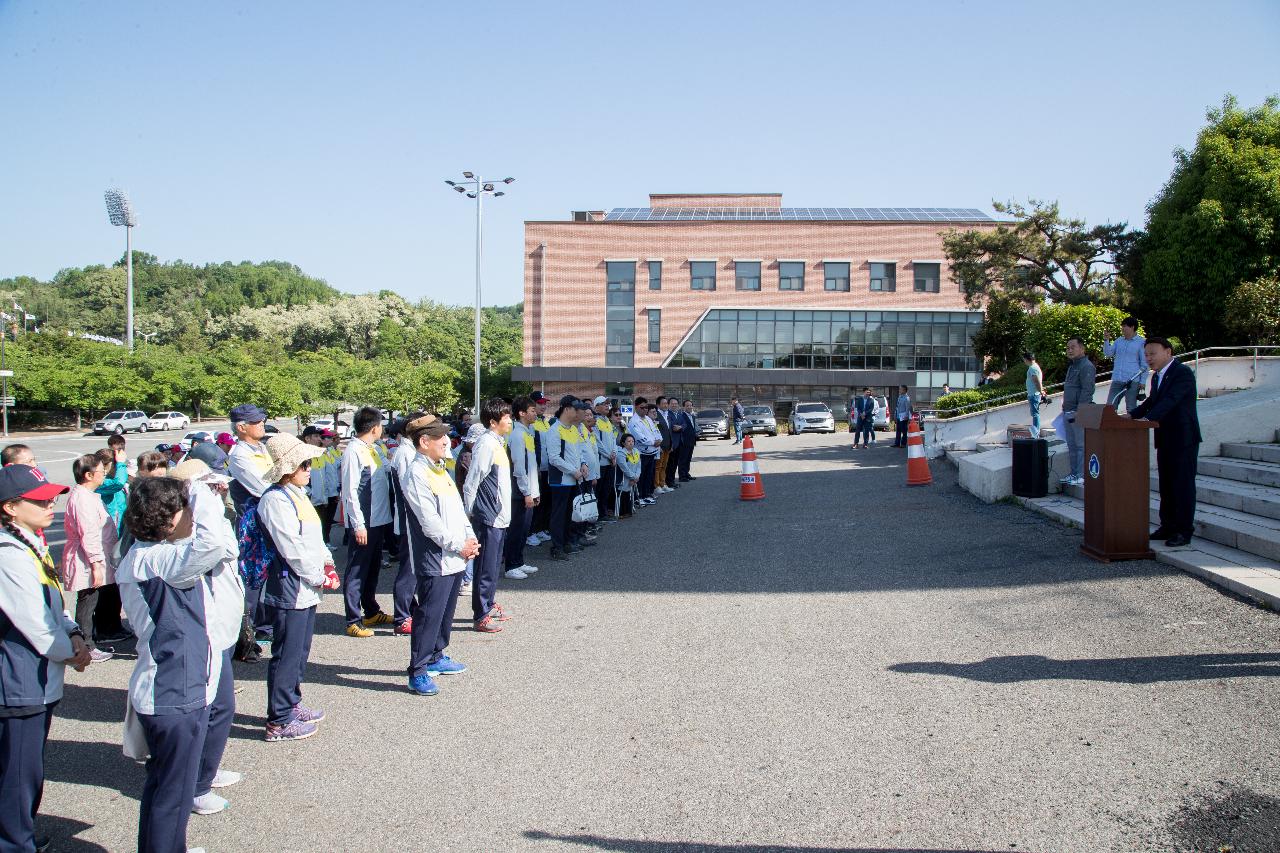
<point>1172,405</point>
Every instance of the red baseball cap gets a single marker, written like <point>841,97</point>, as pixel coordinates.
<point>23,481</point>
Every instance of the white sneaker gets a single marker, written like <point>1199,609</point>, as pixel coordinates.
<point>225,778</point>
<point>544,536</point>
<point>515,574</point>
<point>464,589</point>
<point>533,540</point>
<point>528,569</point>
<point>210,803</point>
<point>666,489</point>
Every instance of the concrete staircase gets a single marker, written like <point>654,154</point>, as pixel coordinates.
<point>1237,522</point>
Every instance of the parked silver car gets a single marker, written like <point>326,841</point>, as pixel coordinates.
<point>812,417</point>
<point>122,422</point>
<point>713,423</point>
<point>760,419</point>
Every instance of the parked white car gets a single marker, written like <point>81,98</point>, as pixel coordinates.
<point>168,420</point>
<point>812,417</point>
<point>121,422</point>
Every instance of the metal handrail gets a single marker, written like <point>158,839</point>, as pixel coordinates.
<point>1019,396</point>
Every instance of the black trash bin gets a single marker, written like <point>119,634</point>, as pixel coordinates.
<point>1030,467</point>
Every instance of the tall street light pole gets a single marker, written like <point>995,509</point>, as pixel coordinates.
<point>475,187</point>
<point>120,212</point>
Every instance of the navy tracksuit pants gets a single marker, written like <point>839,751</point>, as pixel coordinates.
<point>406,583</point>
<point>176,742</point>
<point>221,713</point>
<point>290,648</point>
<point>488,568</point>
<point>437,598</point>
<point>561,510</point>
<point>521,518</point>
<point>22,741</point>
<point>363,564</point>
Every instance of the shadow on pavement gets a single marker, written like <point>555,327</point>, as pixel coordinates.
<point>63,831</point>
<point>632,845</point>
<point>1135,670</point>
<point>96,763</point>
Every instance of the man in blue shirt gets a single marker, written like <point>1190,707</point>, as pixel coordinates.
<point>1129,367</point>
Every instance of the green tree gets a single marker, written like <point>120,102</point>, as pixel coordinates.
<point>1214,225</point>
<point>1049,328</point>
<point>1042,254</point>
<point>1252,311</point>
<point>1000,340</point>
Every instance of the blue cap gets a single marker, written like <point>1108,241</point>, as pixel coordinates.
<point>247,414</point>
<point>211,455</point>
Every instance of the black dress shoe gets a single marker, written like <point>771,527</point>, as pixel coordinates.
<point>557,554</point>
<point>1178,540</point>
<point>1161,534</point>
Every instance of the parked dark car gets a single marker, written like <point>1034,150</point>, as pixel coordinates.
<point>760,419</point>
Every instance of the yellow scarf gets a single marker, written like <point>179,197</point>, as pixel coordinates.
<point>568,435</point>
<point>633,456</point>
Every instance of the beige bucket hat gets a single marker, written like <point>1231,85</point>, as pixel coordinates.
<point>288,453</point>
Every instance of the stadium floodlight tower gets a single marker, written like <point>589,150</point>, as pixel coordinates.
<point>475,187</point>
<point>120,212</point>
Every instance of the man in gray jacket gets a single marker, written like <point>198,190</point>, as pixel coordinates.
<point>1077,390</point>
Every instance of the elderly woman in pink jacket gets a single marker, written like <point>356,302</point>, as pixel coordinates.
<point>91,542</point>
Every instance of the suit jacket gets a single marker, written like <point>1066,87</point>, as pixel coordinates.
<point>865,406</point>
<point>1173,406</point>
<point>690,422</point>
<point>661,420</point>
<point>676,419</point>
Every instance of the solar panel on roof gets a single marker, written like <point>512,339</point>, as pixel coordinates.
<point>799,214</point>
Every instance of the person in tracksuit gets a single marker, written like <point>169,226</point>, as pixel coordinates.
<point>523,449</point>
<point>317,490</point>
<point>227,589</point>
<point>167,594</point>
<point>585,533</point>
<point>367,512</point>
<point>441,541</point>
<point>37,641</point>
<point>567,471</point>
<point>606,445</point>
<point>486,495</point>
<point>247,461</point>
<point>541,524</point>
<point>627,460</point>
<point>403,590</point>
<point>301,569</point>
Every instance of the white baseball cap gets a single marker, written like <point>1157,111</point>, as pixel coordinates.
<point>598,400</point>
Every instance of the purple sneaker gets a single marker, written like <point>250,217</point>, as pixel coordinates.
<point>307,715</point>
<point>293,730</point>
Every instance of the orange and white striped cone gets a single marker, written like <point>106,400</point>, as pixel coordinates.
<point>752,484</point>
<point>917,465</point>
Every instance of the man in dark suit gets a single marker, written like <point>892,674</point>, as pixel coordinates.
<point>690,433</point>
<point>664,427</point>
<point>1172,405</point>
<point>675,422</point>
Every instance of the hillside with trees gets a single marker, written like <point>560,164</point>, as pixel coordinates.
<point>226,333</point>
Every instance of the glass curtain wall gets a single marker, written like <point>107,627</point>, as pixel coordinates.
<point>620,314</point>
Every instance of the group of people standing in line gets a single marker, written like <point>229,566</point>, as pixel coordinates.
<point>210,554</point>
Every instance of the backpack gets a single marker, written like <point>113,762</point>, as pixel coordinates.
<point>257,552</point>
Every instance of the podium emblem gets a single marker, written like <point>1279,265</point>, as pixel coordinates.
<point>1095,467</point>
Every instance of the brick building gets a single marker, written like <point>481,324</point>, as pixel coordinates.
<point>712,296</point>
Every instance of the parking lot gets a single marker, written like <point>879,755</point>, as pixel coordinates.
<point>847,665</point>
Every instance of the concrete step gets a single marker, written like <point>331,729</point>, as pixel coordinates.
<point>1247,532</point>
<point>1243,470</point>
<point>1243,573</point>
<point>1253,452</point>
<point>1233,494</point>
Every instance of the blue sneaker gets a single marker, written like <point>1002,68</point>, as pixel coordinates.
<point>445,666</point>
<point>422,685</point>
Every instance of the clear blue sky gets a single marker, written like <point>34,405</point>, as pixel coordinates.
<point>320,133</point>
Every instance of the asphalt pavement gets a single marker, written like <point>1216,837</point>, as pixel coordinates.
<point>848,665</point>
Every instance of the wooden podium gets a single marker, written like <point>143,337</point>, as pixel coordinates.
<point>1117,485</point>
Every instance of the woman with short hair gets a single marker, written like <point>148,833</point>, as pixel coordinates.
<point>89,555</point>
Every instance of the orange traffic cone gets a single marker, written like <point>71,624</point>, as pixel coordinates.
<point>917,466</point>
<point>752,485</point>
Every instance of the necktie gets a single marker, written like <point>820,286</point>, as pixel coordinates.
<point>1155,383</point>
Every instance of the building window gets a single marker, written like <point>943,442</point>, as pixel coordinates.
<point>655,275</point>
<point>884,276</point>
<point>620,314</point>
<point>655,330</point>
<point>702,275</point>
<point>746,275</point>
<point>836,276</point>
<point>927,276</point>
<point>790,275</point>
